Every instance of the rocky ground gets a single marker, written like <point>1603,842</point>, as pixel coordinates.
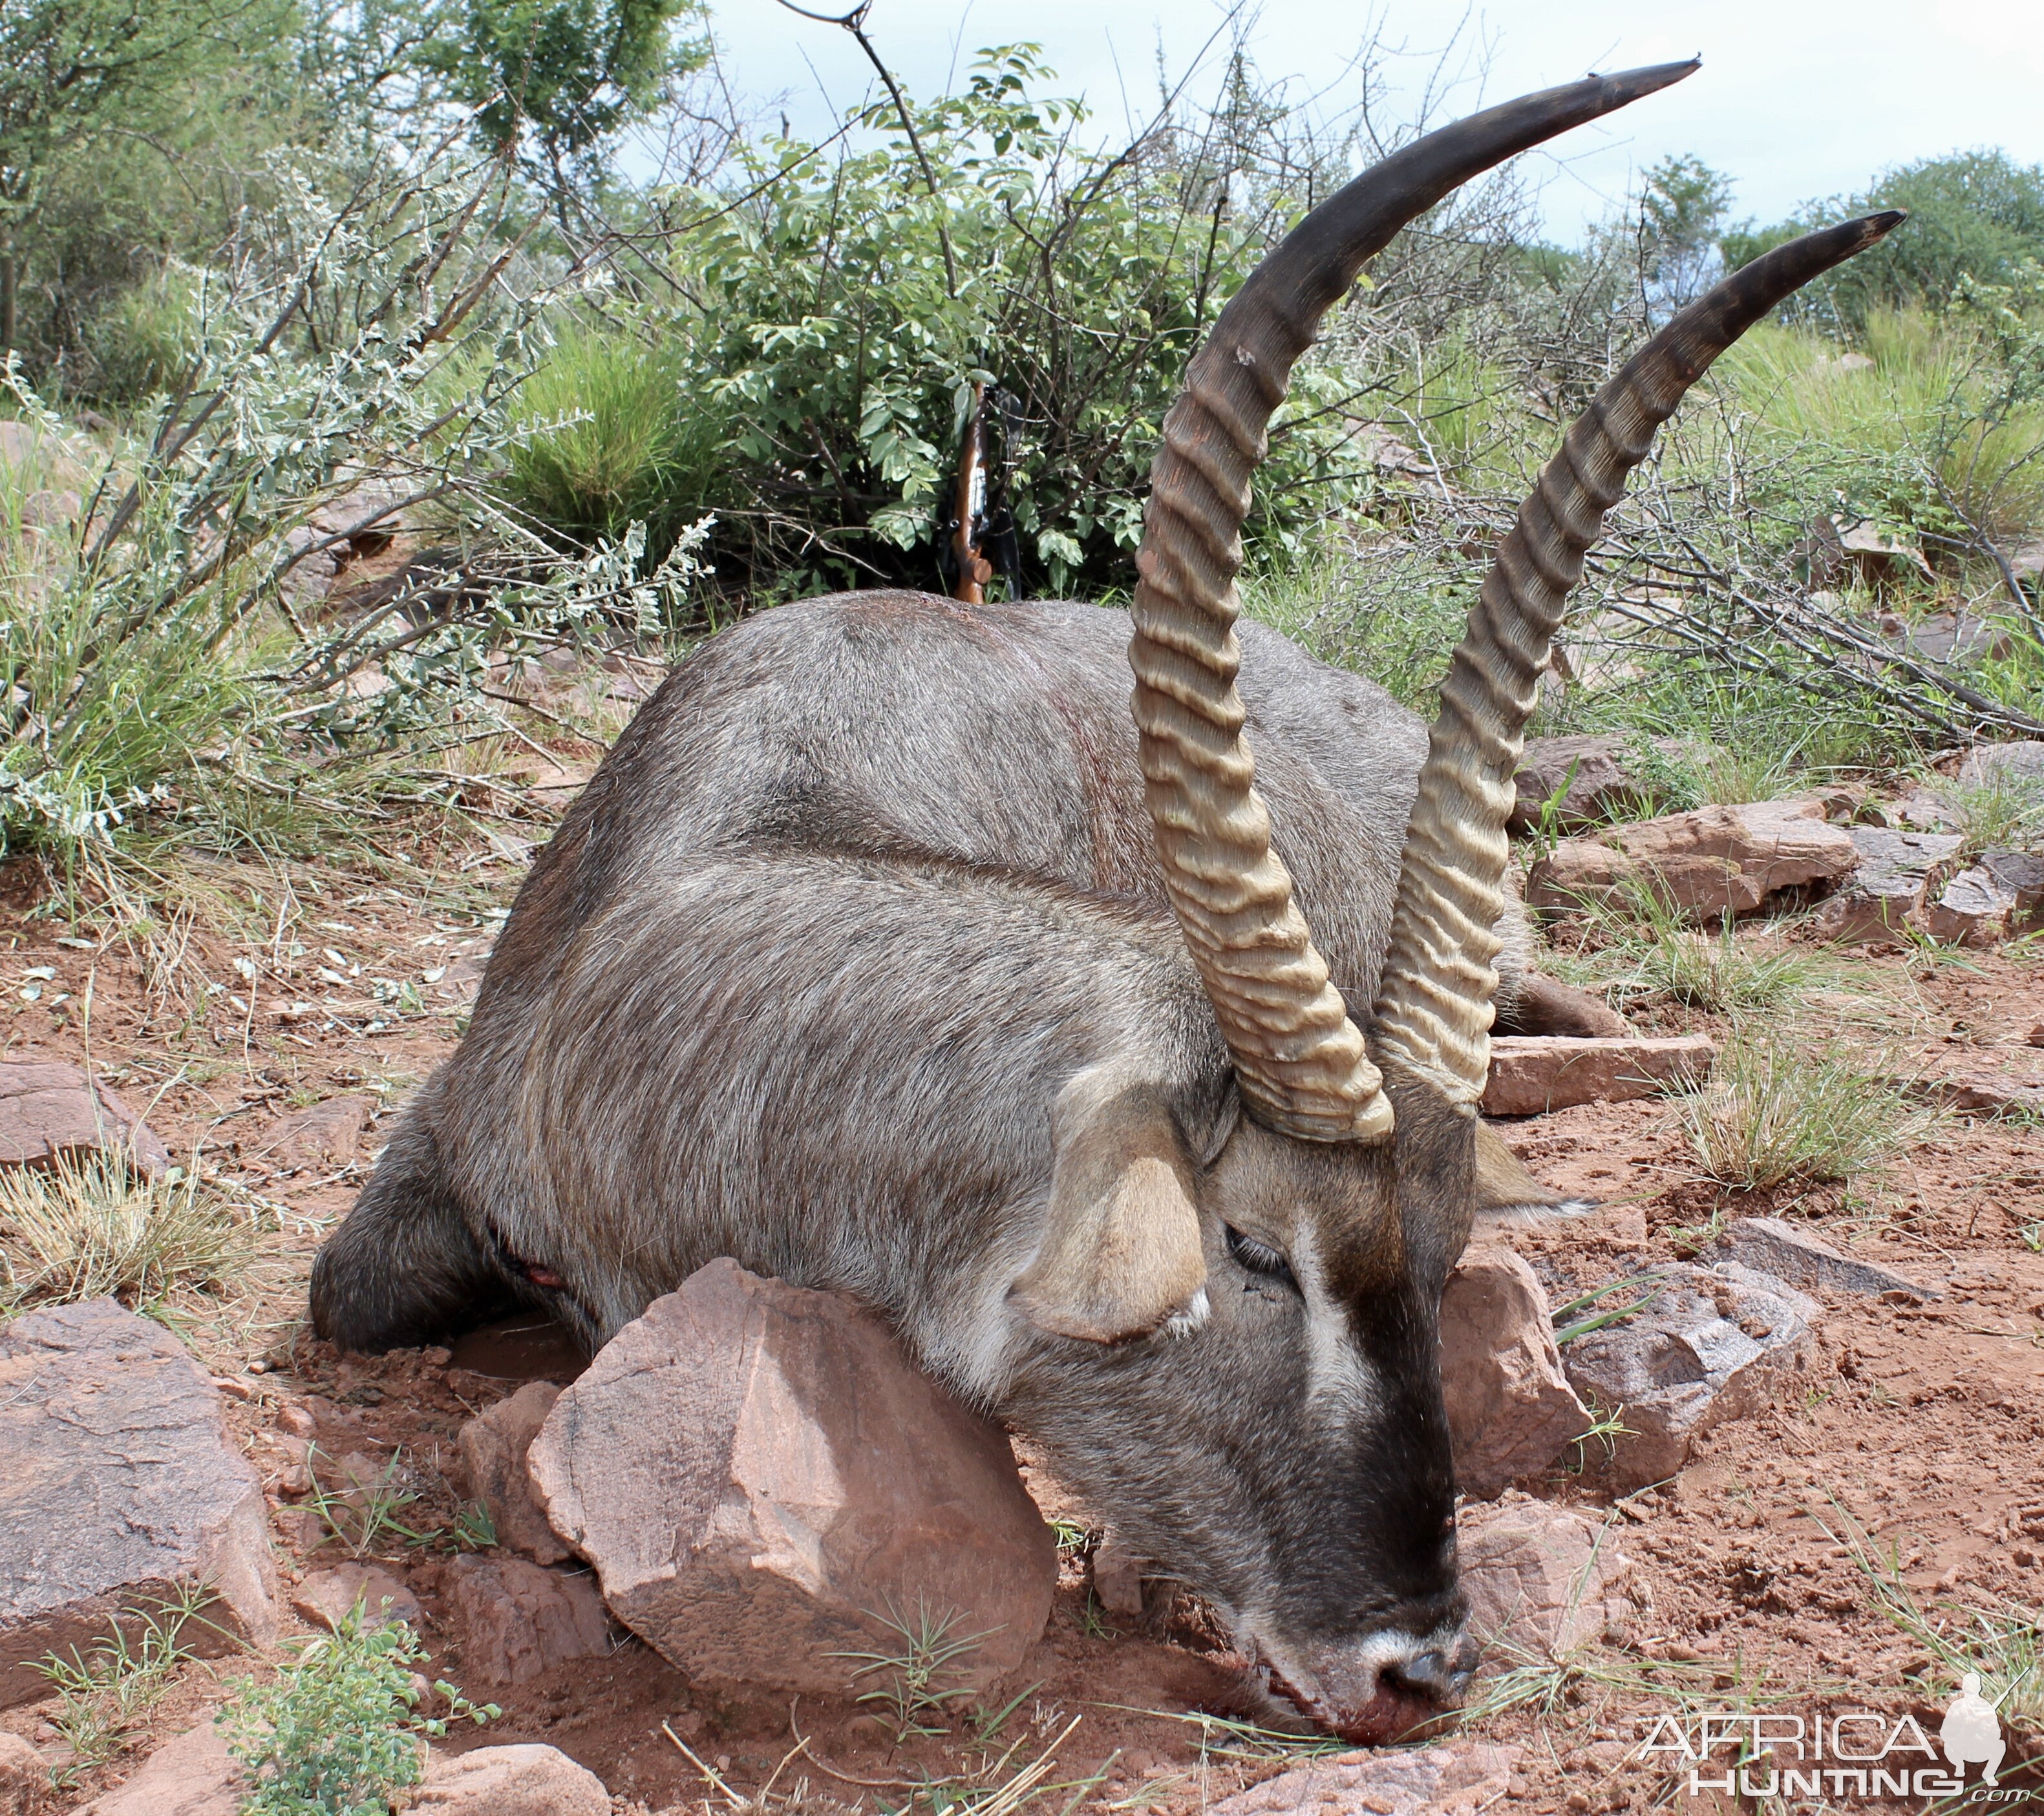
<point>1892,1469</point>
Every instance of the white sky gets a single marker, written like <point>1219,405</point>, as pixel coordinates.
<point>1797,99</point>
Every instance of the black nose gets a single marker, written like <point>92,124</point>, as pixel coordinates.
<point>1433,1676</point>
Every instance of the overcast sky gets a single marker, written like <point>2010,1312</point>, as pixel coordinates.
<point>1797,99</point>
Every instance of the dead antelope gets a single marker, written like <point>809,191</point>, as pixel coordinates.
<point>885,953</point>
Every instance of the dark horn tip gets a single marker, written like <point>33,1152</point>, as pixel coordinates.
<point>1630,84</point>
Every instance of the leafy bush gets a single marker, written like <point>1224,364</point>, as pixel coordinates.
<point>841,310</point>
<point>340,1730</point>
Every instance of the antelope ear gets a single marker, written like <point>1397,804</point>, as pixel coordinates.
<point>1120,1250</point>
<point>1504,1193</point>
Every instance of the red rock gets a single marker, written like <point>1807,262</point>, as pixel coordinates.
<point>1531,1074</point>
<point>25,1779</point>
<point>510,1781</point>
<point>493,1450</point>
<point>1540,1578</point>
<point>758,1471</point>
<point>327,1597</point>
<point>1457,1779</point>
<point>192,1775</point>
<point>48,1109</point>
<point>1602,773</point>
<point>119,1485</point>
<point>1983,1094</point>
<point>1790,1253</point>
<point>1714,861</point>
<point>518,1622</point>
<point>1881,903</point>
<point>321,1134</point>
<point>1510,1412</point>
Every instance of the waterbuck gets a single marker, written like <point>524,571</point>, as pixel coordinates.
<point>884,954</point>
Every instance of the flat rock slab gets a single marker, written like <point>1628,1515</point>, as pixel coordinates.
<point>1459,1778</point>
<point>192,1775</point>
<point>1511,1410</point>
<point>761,1476</point>
<point>1712,1344</point>
<point>1881,903</point>
<point>510,1781</point>
<point>326,1598</point>
<point>1532,1074</point>
<point>48,1109</point>
<point>1540,1578</point>
<point>1713,861</point>
<point>518,1622</point>
<point>493,1444</point>
<point>1982,1094</point>
<point>1769,1245</point>
<point>119,1487</point>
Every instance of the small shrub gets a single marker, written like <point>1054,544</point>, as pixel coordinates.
<point>340,1730</point>
<point>1784,1109</point>
<point>91,1225</point>
<point>609,433</point>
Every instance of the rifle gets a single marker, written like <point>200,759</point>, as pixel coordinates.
<point>980,525</point>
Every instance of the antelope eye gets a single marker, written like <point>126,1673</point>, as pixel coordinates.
<point>1260,1257</point>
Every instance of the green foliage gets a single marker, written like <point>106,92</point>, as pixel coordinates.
<point>563,75</point>
<point>339,1730</point>
<point>914,1682</point>
<point>103,106</point>
<point>1977,214</point>
<point>105,1694</point>
<point>608,432</point>
<point>1682,206</point>
<point>825,323</point>
<point>1636,948</point>
<point>157,667</point>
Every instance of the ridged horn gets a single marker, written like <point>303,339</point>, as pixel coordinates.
<point>1433,1010</point>
<point>1299,1059</point>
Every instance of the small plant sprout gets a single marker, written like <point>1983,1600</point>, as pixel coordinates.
<point>103,1695</point>
<point>338,1730</point>
<point>364,1516</point>
<point>913,1684</point>
<point>1606,1426</point>
<point>474,1529</point>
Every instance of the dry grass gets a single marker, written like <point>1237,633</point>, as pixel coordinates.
<point>1787,1106</point>
<point>90,1227</point>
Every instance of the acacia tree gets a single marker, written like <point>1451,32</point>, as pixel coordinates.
<point>551,82</point>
